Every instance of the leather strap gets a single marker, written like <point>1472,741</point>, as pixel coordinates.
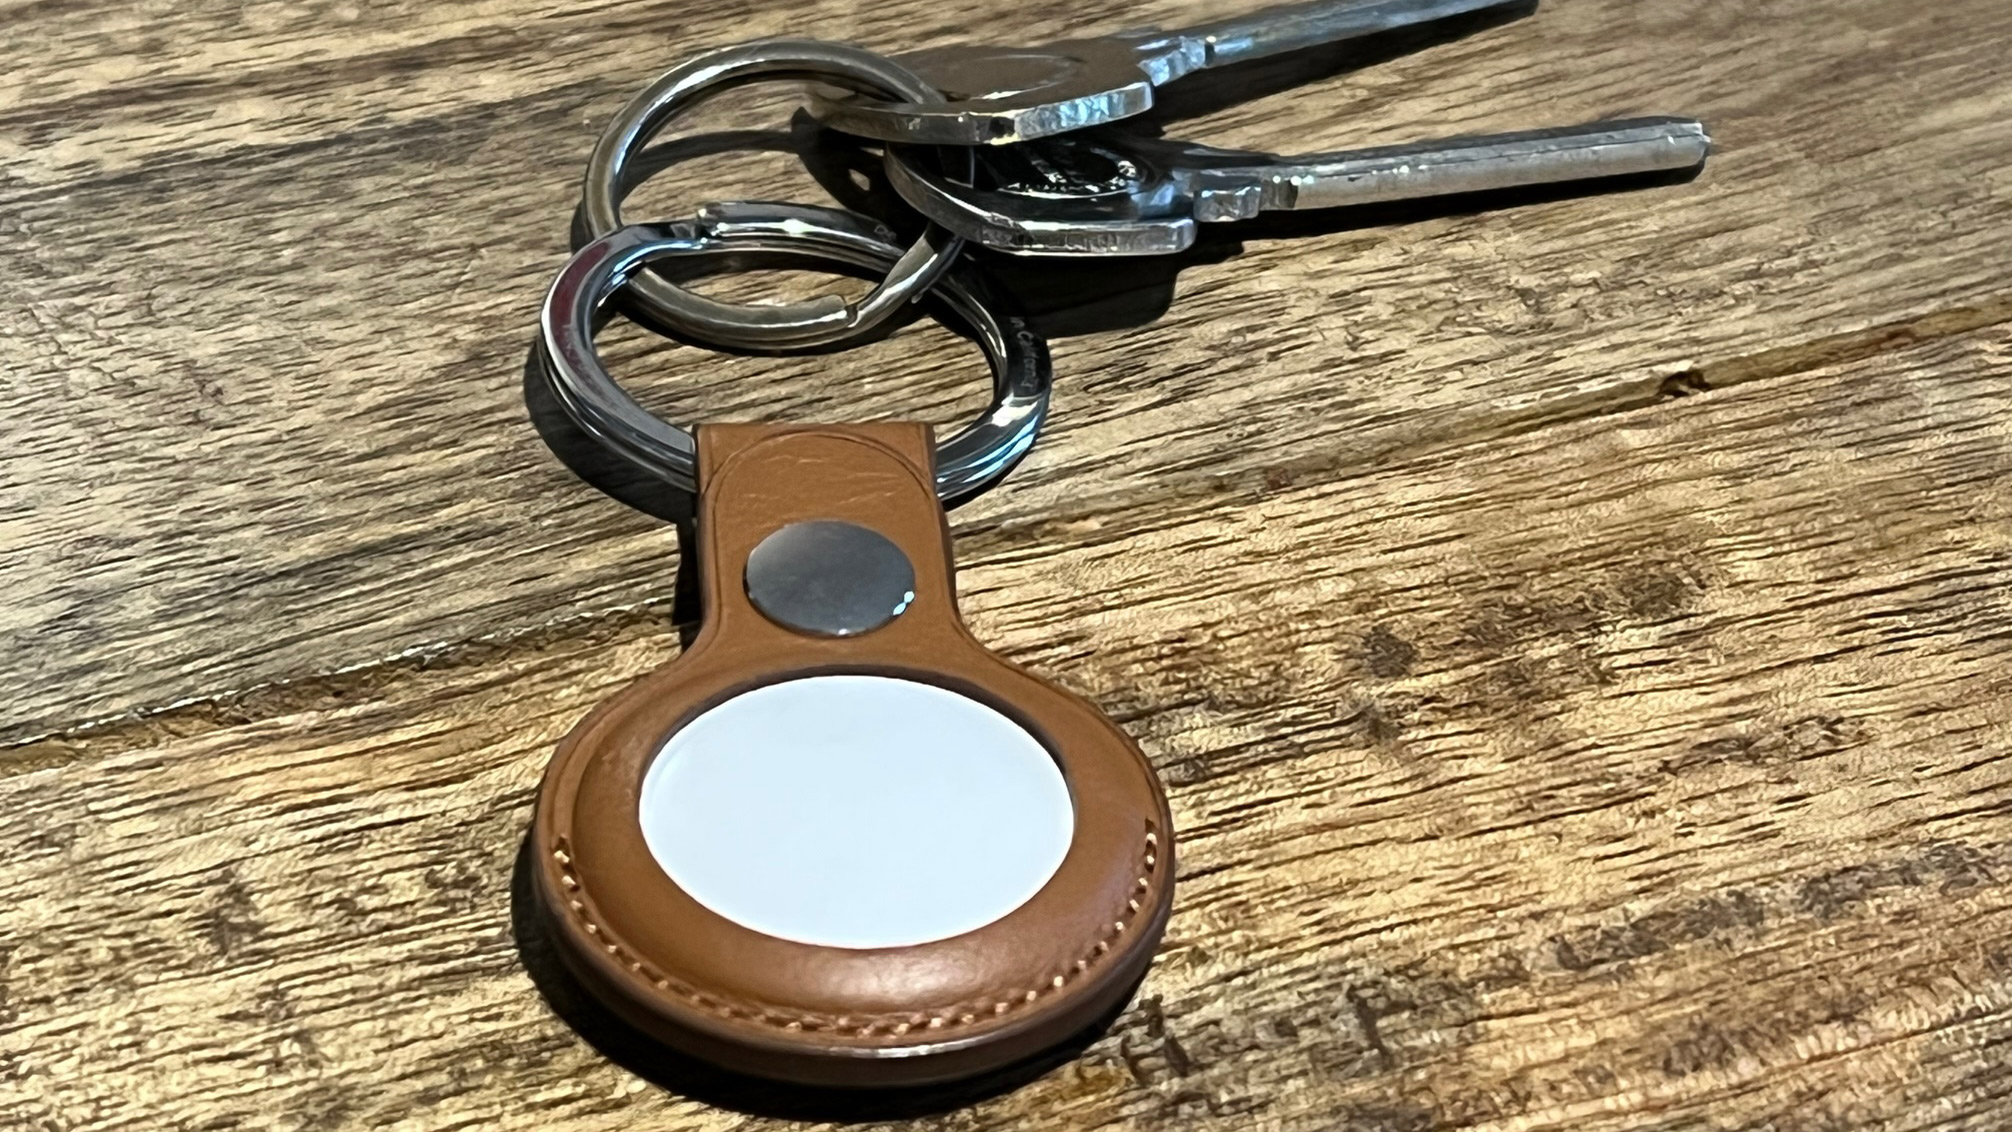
<point>825,1015</point>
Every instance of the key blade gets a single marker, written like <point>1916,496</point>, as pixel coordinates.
<point>1294,27</point>
<point>1597,150</point>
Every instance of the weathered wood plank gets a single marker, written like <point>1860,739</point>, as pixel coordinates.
<point>267,273</point>
<point>1644,773</point>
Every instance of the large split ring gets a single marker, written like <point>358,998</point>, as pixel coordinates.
<point>826,320</point>
<point>578,304</point>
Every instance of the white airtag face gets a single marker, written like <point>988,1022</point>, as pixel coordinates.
<point>856,811</point>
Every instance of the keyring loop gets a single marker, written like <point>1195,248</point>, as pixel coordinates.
<point>577,305</point>
<point>826,320</point>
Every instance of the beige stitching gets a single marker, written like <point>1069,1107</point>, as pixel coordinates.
<point>960,1014</point>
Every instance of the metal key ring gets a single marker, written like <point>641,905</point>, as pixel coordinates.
<point>577,305</point>
<point>826,320</point>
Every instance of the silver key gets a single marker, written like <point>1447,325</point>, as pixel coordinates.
<point>1000,95</point>
<point>1112,193</point>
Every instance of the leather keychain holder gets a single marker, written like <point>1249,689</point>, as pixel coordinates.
<point>813,1014</point>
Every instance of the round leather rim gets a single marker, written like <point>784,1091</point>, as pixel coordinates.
<point>1000,993</point>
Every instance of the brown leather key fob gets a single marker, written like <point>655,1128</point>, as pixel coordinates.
<point>837,841</point>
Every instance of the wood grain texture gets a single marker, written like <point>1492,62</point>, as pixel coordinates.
<point>1642,773</point>
<point>267,274</point>
<point>1576,636</point>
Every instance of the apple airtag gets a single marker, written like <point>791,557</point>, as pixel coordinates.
<point>856,811</point>
<point>837,841</point>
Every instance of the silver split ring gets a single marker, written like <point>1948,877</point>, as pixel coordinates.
<point>823,321</point>
<point>578,304</point>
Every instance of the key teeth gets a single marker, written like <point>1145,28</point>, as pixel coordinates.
<point>1232,202</point>
<point>1174,57</point>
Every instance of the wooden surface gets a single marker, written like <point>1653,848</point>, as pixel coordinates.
<point>1576,636</point>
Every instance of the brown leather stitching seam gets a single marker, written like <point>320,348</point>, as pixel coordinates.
<point>862,1026</point>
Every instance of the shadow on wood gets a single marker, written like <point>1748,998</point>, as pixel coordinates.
<point>619,480</point>
<point>1066,297</point>
<point>688,1077</point>
<point>593,461</point>
<point>1219,88</point>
